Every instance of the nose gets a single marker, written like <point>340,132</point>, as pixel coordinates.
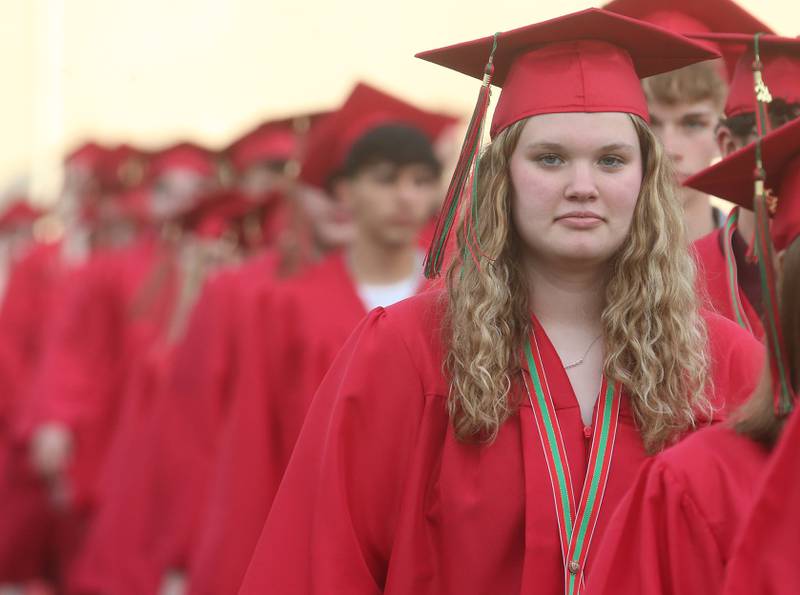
<point>409,192</point>
<point>582,185</point>
<point>669,138</point>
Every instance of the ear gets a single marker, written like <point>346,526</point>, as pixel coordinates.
<point>725,141</point>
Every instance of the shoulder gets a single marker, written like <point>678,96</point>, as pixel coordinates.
<point>725,336</point>
<point>413,330</point>
<point>715,466</point>
<point>708,245</point>
<point>736,360</point>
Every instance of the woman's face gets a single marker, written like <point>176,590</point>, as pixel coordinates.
<point>576,179</point>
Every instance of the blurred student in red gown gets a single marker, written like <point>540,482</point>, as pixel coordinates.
<point>727,275</point>
<point>375,156</point>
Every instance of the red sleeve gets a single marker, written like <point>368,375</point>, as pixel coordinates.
<point>252,453</point>
<point>765,555</point>
<point>333,522</point>
<point>189,416</point>
<point>75,379</point>
<point>737,360</point>
<point>657,542</point>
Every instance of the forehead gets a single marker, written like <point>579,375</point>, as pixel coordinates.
<point>664,111</point>
<point>580,129</point>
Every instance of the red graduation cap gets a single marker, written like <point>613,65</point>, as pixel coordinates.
<point>733,177</point>
<point>123,167</point>
<point>780,60</point>
<point>88,155</point>
<point>18,214</point>
<point>184,155</point>
<point>365,109</point>
<point>588,61</point>
<point>765,177</point>
<point>691,16</point>
<point>270,141</point>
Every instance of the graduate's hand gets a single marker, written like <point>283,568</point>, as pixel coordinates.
<point>51,448</point>
<point>173,583</point>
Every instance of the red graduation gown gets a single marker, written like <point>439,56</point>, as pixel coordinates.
<point>113,309</point>
<point>90,339</point>
<point>293,336</point>
<point>380,497</point>
<point>765,558</point>
<point>674,532</point>
<point>158,480</point>
<point>712,281</point>
<point>199,393</point>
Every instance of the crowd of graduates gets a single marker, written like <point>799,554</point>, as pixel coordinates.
<point>346,354</point>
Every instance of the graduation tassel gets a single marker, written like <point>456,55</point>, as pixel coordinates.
<point>465,171</point>
<point>782,392</point>
<point>764,206</point>
<point>734,295</point>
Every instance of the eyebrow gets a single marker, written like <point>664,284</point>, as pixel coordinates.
<point>551,146</point>
<point>708,114</point>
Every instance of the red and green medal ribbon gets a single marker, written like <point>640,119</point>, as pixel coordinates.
<point>576,524</point>
<point>732,274</point>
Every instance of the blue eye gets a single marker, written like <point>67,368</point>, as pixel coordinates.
<point>611,161</point>
<point>550,160</point>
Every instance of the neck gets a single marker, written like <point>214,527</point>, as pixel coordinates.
<point>568,298</point>
<point>372,262</point>
<point>698,214</point>
<point>746,225</point>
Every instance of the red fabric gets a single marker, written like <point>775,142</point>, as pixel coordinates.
<point>115,558</point>
<point>285,351</point>
<point>156,483</point>
<point>674,531</point>
<point>365,109</point>
<point>294,335</point>
<point>26,305</point>
<point>587,61</point>
<point>764,559</point>
<point>687,16</point>
<point>780,60</point>
<point>733,177</point>
<point>712,282</point>
<point>380,497</point>
<point>200,396</point>
<point>112,309</point>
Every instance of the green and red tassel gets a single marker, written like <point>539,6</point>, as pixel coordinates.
<point>465,171</point>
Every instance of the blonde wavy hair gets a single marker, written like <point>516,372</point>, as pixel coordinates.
<point>655,339</point>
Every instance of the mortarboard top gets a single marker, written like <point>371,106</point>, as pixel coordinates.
<point>588,61</point>
<point>732,179</point>
<point>365,109</point>
<point>780,59</point>
<point>88,154</point>
<point>270,141</point>
<point>184,155</point>
<point>19,213</point>
<point>691,16</point>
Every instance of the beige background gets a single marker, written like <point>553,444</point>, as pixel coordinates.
<point>149,71</point>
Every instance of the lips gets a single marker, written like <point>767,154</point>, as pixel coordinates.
<point>580,215</point>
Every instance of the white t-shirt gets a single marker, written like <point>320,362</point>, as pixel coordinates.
<point>386,295</point>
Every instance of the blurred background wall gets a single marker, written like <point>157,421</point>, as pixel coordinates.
<point>150,71</point>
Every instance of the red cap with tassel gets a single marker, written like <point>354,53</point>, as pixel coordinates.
<point>780,68</point>
<point>589,61</point>
<point>772,164</point>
